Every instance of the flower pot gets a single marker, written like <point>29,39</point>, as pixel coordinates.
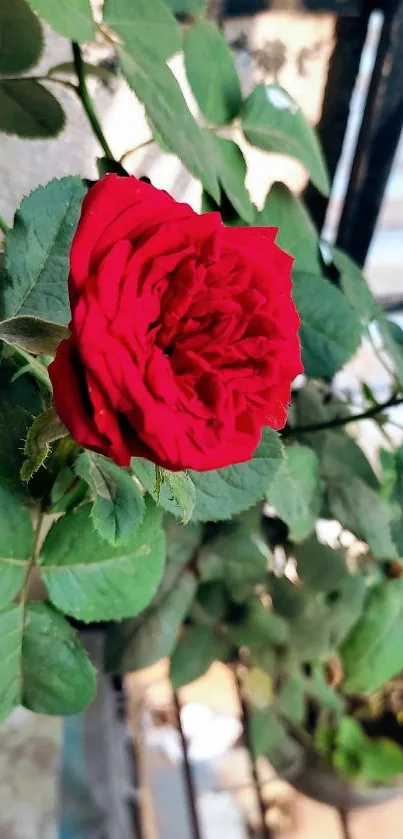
<point>315,777</point>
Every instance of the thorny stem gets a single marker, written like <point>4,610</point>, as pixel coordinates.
<point>32,561</point>
<point>38,370</point>
<point>339,422</point>
<point>82,92</point>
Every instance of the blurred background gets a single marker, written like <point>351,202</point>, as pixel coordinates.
<point>142,762</point>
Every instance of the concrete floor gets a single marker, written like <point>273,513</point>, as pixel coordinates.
<point>29,762</point>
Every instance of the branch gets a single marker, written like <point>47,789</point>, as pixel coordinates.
<point>82,92</point>
<point>23,596</point>
<point>339,422</point>
<point>37,369</point>
<point>136,148</point>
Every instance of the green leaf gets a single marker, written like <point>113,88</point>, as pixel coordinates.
<point>313,404</point>
<point>211,603</point>
<point>71,18</point>
<point>341,458</point>
<point>181,541</point>
<point>291,697</point>
<point>260,628</point>
<point>273,121</point>
<point>67,491</point>
<point>183,491</point>
<point>397,332</point>
<point>330,332</point>
<point>345,605</point>
<point>221,493</point>
<point>318,624</point>
<point>154,634</point>
<point>134,644</point>
<point>373,652</point>
<point>309,633</point>
<point>231,170</point>
<point>393,474</point>
<point>169,115</point>
<point>118,508</point>
<point>91,580</point>
<point>197,650</point>
<point>361,510</point>
<point>288,599</point>
<point>371,761</point>
<point>321,567</point>
<point>296,492</point>
<point>211,72</point>
<point>160,491</point>
<point>173,491</point>
<point>269,737</point>
<point>228,213</point>
<point>21,38</point>
<point>44,666</point>
<point>19,402</point>
<point>392,345</point>
<point>339,455</point>
<point>33,335</point>
<point>16,544</point>
<point>38,249</point>
<point>45,429</point>
<point>355,287</point>
<point>360,297</point>
<point>106,166</point>
<point>318,688</point>
<point>382,762</point>
<point>11,622</point>
<point>296,232</point>
<point>349,747</point>
<point>238,556</point>
<point>186,7</point>
<point>144,25</point>
<point>27,109</point>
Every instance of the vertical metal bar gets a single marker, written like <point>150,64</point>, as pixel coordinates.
<point>187,774</point>
<point>349,38</point>
<point>377,140</point>
<point>266,832</point>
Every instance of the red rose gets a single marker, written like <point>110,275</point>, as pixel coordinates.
<point>183,333</point>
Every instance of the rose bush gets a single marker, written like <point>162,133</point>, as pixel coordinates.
<point>183,333</point>
<point>147,354</point>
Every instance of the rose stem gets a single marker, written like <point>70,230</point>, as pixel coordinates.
<point>82,92</point>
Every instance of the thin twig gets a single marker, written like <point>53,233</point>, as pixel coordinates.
<point>343,816</point>
<point>37,369</point>
<point>31,562</point>
<point>187,773</point>
<point>63,82</point>
<point>339,422</point>
<point>143,145</point>
<point>83,94</point>
<point>266,832</point>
